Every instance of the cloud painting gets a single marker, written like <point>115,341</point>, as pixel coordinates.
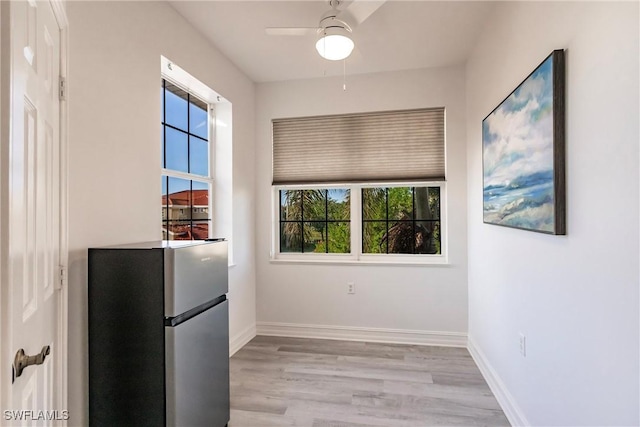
<point>518,156</point>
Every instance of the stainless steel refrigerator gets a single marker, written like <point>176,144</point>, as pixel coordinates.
<point>159,334</point>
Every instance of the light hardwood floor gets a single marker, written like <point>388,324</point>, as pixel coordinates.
<point>282,382</point>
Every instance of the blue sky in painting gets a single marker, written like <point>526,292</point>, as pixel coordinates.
<point>518,155</point>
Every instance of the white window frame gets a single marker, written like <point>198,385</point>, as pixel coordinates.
<point>220,207</point>
<point>356,256</point>
<point>207,179</point>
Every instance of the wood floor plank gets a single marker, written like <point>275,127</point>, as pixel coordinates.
<point>335,381</point>
<point>332,423</point>
<point>240,418</point>
<point>258,403</point>
<point>459,378</point>
<point>364,373</point>
<point>435,390</point>
<point>278,381</point>
<point>399,364</point>
<point>339,351</point>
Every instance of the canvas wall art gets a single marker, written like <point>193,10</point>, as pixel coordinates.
<point>523,153</point>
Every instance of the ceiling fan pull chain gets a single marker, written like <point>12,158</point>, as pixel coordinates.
<point>344,74</point>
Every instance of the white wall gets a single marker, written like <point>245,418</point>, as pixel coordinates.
<point>114,176</point>
<point>575,297</point>
<point>416,298</point>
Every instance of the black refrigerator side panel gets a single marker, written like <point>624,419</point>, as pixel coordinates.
<point>126,338</point>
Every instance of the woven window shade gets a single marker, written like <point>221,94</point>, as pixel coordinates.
<point>403,145</point>
<point>177,90</point>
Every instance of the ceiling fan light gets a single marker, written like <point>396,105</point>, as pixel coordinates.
<point>334,45</point>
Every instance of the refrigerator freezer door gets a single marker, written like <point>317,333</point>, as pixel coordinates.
<point>197,370</point>
<point>194,274</point>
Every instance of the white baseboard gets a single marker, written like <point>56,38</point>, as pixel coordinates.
<point>354,333</point>
<point>505,398</point>
<point>239,341</point>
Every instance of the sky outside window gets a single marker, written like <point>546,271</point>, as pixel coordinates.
<point>185,150</point>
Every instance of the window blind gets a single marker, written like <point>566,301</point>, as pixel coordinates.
<point>403,145</point>
<point>177,90</point>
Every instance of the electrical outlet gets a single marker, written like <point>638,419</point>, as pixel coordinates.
<point>351,288</point>
<point>522,340</point>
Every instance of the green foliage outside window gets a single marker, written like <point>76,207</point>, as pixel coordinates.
<point>404,220</point>
<point>315,221</point>
<point>401,220</point>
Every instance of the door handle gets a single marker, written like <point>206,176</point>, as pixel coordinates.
<point>21,361</point>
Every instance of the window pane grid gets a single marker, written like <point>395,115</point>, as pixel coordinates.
<point>184,131</point>
<point>393,220</point>
<point>186,180</point>
<point>408,227</point>
<point>191,101</point>
<point>185,210</point>
<point>307,224</point>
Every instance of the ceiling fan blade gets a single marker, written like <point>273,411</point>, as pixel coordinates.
<point>290,31</point>
<point>360,10</point>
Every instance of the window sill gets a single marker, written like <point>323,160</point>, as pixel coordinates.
<point>421,262</point>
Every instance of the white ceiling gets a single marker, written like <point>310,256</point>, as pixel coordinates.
<point>400,35</point>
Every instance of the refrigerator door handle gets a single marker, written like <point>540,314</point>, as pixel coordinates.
<point>181,318</point>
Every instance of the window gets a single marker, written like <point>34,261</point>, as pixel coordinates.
<point>360,221</point>
<point>360,187</point>
<point>316,220</point>
<point>401,220</point>
<point>186,161</point>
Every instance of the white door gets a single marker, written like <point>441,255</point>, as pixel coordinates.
<point>33,222</point>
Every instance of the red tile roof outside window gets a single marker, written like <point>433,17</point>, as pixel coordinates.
<point>185,231</point>
<point>181,198</point>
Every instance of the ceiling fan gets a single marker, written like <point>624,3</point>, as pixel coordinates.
<point>335,28</point>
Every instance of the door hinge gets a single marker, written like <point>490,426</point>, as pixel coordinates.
<point>62,89</point>
<point>62,276</point>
